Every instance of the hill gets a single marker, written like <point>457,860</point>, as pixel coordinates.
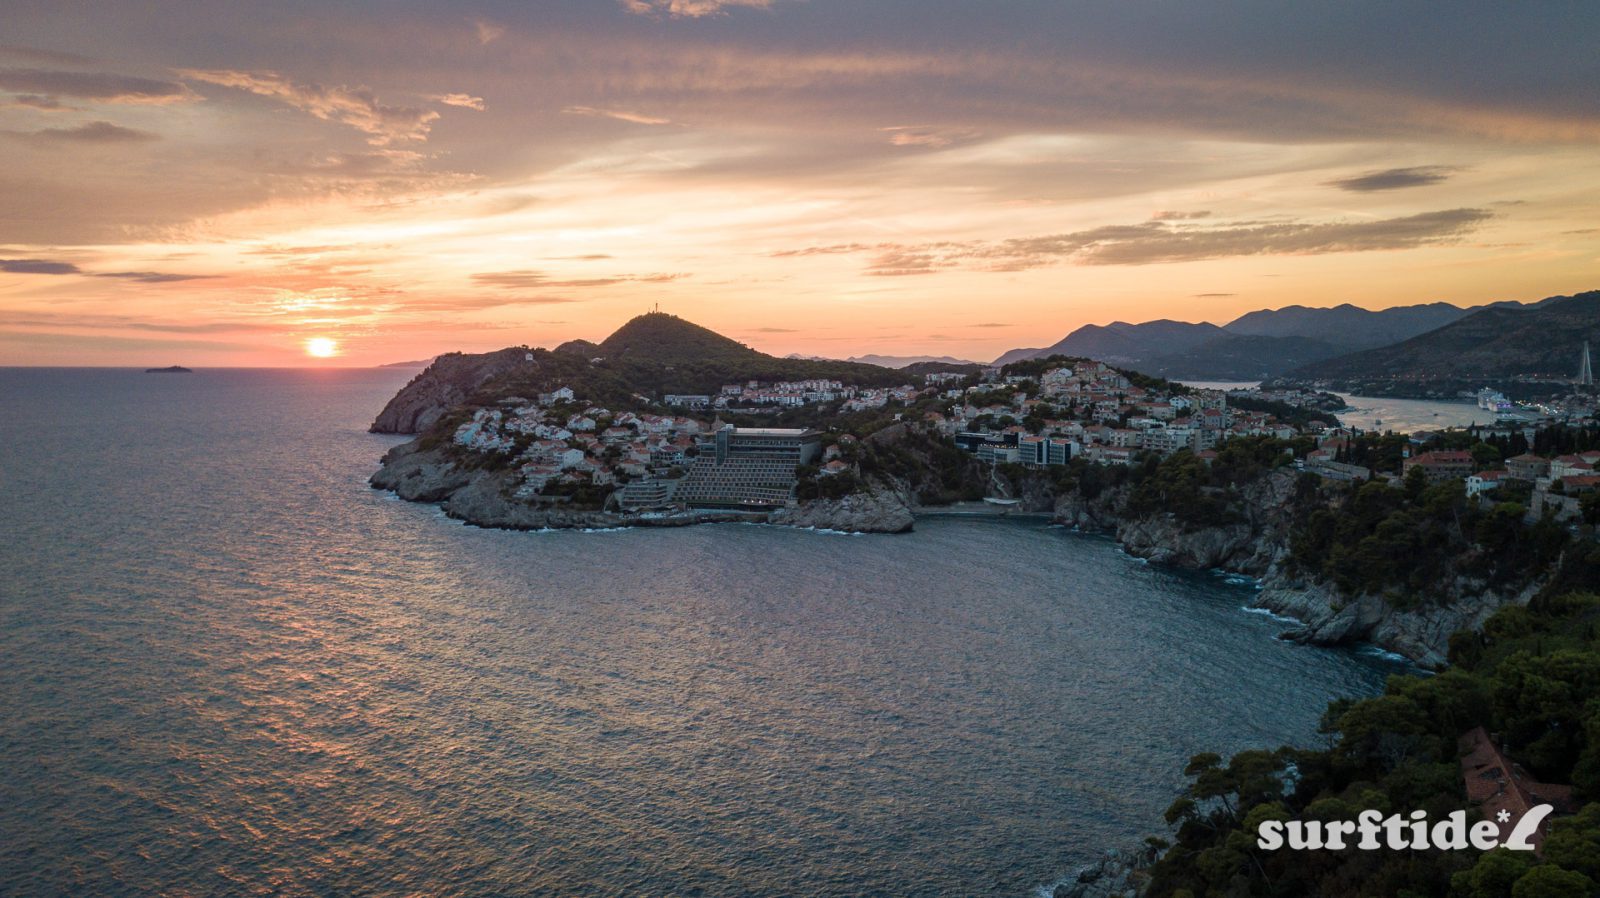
<point>649,356</point>
<point>1492,346</point>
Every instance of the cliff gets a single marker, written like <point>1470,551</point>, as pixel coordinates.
<point>1258,547</point>
<point>442,386</point>
<point>484,498</point>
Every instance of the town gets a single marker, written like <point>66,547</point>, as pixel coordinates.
<point>684,455</point>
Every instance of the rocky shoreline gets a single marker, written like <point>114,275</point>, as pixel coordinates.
<point>483,498</point>
<point>1258,547</point>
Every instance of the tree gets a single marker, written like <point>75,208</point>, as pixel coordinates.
<point>1550,881</point>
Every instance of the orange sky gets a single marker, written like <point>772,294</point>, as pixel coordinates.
<point>823,178</point>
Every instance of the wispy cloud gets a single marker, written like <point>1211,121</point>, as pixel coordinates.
<point>619,114</point>
<point>98,86</point>
<point>1169,215</point>
<point>36,266</point>
<point>94,132</point>
<point>1394,179</point>
<point>1153,242</point>
<point>692,9</point>
<point>357,107</point>
<point>467,101</point>
<point>51,266</point>
<point>153,277</point>
<point>524,279</point>
<point>488,32</point>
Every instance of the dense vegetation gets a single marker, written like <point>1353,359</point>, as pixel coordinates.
<point>1533,676</point>
<point>1409,542</point>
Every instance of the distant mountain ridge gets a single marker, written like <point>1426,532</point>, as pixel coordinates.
<point>1260,344</point>
<point>1490,345</point>
<point>904,361</point>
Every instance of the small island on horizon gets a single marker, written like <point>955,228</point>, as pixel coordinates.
<point>170,369</point>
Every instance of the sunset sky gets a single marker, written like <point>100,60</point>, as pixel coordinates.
<point>381,182</point>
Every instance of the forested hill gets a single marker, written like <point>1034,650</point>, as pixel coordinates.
<point>1489,345</point>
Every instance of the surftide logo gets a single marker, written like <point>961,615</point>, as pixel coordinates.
<point>1371,831</point>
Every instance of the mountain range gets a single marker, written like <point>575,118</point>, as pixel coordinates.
<point>1261,344</point>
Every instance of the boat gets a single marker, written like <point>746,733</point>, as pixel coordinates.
<point>992,500</point>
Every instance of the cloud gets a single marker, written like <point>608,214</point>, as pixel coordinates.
<point>47,266</point>
<point>467,101</point>
<point>357,107</point>
<point>775,330</point>
<point>991,324</point>
<point>1168,215</point>
<point>96,132</point>
<point>619,114</point>
<point>832,249</point>
<point>1155,242</point>
<point>691,9</point>
<point>37,266</point>
<point>100,86</point>
<point>521,280</point>
<point>32,101</point>
<point>487,32</point>
<point>1211,295</point>
<point>154,277</point>
<point>35,54</point>
<point>19,318</point>
<point>1394,179</point>
<point>932,138</point>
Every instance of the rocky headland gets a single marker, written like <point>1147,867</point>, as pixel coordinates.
<point>1258,547</point>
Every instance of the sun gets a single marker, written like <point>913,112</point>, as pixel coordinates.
<point>322,347</point>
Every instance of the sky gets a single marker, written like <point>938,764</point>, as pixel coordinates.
<point>362,183</point>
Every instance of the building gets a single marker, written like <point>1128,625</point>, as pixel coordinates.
<point>1038,452</point>
<point>1484,481</point>
<point>1527,467</point>
<point>648,492</point>
<point>687,400</point>
<point>1440,465</point>
<point>747,467</point>
<point>1495,784</point>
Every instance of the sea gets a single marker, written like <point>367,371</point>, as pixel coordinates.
<point>232,668</point>
<point>1386,413</point>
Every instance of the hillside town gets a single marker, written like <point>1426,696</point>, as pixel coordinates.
<point>682,455</point>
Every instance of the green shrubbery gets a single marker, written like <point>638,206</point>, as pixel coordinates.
<point>1532,676</point>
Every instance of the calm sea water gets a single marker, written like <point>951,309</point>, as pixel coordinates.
<point>1384,413</point>
<point>232,668</point>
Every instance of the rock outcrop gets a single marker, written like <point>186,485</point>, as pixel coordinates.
<point>485,498</point>
<point>419,475</point>
<point>1117,874</point>
<point>444,385</point>
<point>881,510</point>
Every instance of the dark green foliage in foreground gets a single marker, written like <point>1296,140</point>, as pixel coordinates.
<point>1410,541</point>
<point>1533,675</point>
<point>1197,494</point>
